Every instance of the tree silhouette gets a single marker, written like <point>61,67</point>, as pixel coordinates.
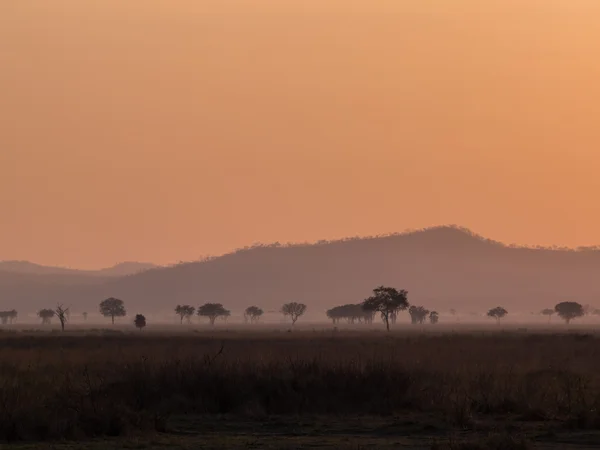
<point>46,315</point>
<point>418,314</point>
<point>497,313</point>
<point>140,321</point>
<point>547,312</point>
<point>63,315</point>
<point>212,311</point>
<point>569,311</point>
<point>434,317</point>
<point>8,316</point>
<point>294,310</point>
<point>387,301</point>
<point>253,313</point>
<point>185,311</point>
<point>351,313</point>
<point>112,307</point>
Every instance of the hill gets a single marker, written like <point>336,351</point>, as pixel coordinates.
<point>442,268</point>
<point>26,267</point>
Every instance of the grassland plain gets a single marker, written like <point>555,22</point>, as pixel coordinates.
<point>243,387</point>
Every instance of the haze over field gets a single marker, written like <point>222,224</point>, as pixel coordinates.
<point>162,131</point>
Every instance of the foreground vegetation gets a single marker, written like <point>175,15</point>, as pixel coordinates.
<point>84,385</point>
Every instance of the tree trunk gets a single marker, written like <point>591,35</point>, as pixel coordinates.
<point>113,319</point>
<point>387,322</point>
<point>181,321</point>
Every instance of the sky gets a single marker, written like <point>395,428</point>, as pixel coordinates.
<point>163,130</point>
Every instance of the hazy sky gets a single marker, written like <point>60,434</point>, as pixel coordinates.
<point>166,130</point>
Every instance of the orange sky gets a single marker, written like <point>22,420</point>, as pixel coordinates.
<point>163,130</point>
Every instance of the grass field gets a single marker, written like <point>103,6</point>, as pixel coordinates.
<point>422,388</point>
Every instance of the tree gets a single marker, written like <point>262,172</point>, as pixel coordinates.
<point>569,311</point>
<point>140,321</point>
<point>434,317</point>
<point>46,315</point>
<point>547,312</point>
<point>8,316</point>
<point>253,313</point>
<point>212,311</point>
<point>85,316</point>
<point>294,310</point>
<point>418,314</point>
<point>387,301</point>
<point>497,313</point>
<point>63,315</point>
<point>185,311</point>
<point>112,307</point>
<point>351,313</point>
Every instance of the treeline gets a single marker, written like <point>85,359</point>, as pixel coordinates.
<point>387,301</point>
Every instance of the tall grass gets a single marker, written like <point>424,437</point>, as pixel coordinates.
<point>62,386</point>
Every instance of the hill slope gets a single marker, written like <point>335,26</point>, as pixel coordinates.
<point>26,267</point>
<point>442,268</point>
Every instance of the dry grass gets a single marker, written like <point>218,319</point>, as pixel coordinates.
<point>76,385</point>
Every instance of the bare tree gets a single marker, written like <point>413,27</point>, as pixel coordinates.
<point>387,301</point>
<point>294,310</point>
<point>63,315</point>
<point>112,307</point>
<point>185,312</point>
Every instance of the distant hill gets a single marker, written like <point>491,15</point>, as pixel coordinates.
<point>442,268</point>
<point>26,267</point>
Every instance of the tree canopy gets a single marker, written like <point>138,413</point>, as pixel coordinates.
<point>569,311</point>
<point>253,313</point>
<point>387,301</point>
<point>185,312</point>
<point>46,315</point>
<point>112,307</point>
<point>140,321</point>
<point>212,311</point>
<point>351,313</point>
<point>497,313</point>
<point>418,314</point>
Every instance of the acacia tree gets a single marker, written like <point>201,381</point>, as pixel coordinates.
<point>63,315</point>
<point>8,316</point>
<point>46,315</point>
<point>387,301</point>
<point>212,311</point>
<point>434,317</point>
<point>112,307</point>
<point>185,311</point>
<point>418,314</point>
<point>569,311</point>
<point>253,313</point>
<point>547,312</point>
<point>497,313</point>
<point>294,310</point>
<point>140,321</point>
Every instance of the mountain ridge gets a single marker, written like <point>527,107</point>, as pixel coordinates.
<point>441,267</point>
